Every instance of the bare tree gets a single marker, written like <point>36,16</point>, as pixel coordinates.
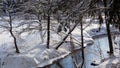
<point>9,10</point>
<point>82,44</point>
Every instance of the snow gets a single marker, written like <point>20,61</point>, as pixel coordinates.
<point>17,62</point>
<point>117,40</point>
<point>93,30</point>
<point>113,62</point>
<point>34,53</point>
<point>87,38</point>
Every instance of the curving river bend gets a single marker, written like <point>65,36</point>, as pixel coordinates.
<point>94,53</point>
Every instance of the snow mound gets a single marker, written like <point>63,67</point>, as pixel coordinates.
<point>49,54</point>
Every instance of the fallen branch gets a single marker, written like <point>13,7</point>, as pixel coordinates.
<point>66,36</point>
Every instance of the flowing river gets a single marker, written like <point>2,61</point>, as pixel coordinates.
<point>94,53</point>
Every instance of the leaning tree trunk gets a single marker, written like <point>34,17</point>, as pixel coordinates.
<point>67,35</point>
<point>11,32</point>
<point>82,44</point>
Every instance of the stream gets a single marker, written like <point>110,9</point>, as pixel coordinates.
<point>94,53</point>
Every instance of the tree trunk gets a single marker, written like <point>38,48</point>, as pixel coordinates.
<point>48,29</point>
<point>108,29</point>
<point>10,30</point>
<point>66,36</point>
<point>109,38</point>
<point>82,44</point>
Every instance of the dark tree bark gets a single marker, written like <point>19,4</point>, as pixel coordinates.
<point>82,44</point>
<point>109,39</point>
<point>108,29</point>
<point>48,31</point>
<point>11,32</point>
<point>66,36</point>
<point>48,25</point>
<point>59,65</point>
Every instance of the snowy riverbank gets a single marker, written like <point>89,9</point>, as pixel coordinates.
<point>33,53</point>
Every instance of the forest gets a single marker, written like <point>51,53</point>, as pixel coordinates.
<point>59,33</point>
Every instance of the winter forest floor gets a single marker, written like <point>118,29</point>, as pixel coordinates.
<point>33,53</point>
<point>112,62</point>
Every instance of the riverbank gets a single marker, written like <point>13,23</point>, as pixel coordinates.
<point>95,37</point>
<point>112,62</point>
<point>32,52</point>
<point>105,34</point>
<point>36,53</point>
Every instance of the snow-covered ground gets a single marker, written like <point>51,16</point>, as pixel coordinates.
<point>94,31</point>
<point>31,49</point>
<point>112,62</point>
<point>34,53</point>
